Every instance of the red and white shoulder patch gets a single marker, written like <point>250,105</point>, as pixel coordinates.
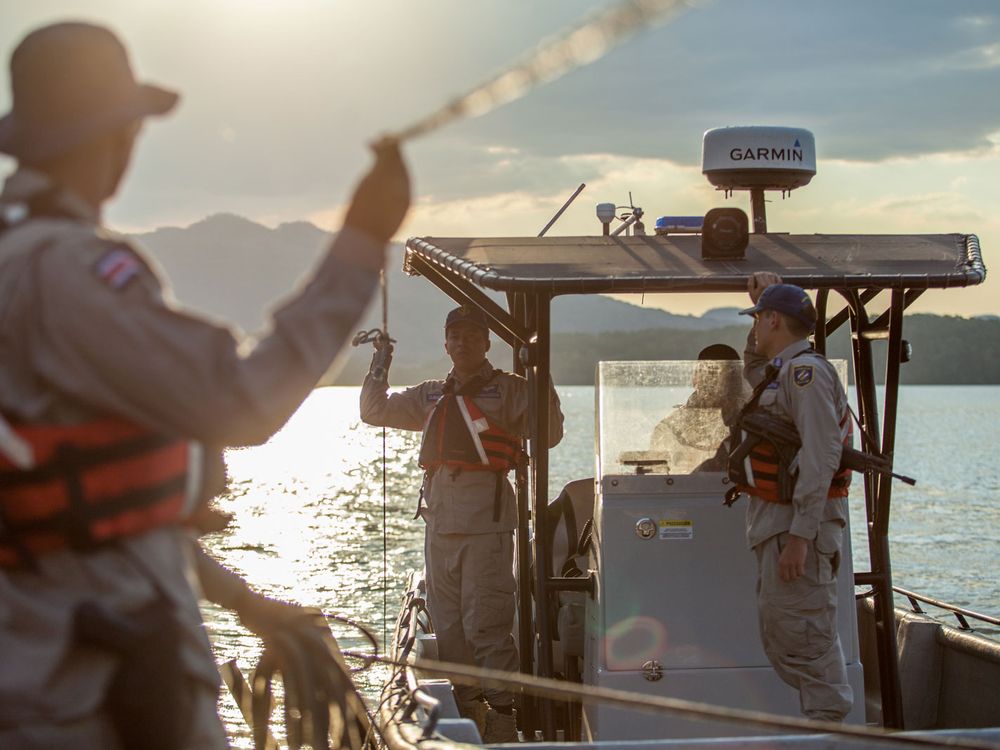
<point>118,267</point>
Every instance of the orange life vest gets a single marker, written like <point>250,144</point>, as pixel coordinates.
<point>765,465</point>
<point>90,484</point>
<point>458,434</point>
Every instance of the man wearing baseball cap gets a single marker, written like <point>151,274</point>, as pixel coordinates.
<point>796,515</point>
<point>109,401</point>
<point>473,423</point>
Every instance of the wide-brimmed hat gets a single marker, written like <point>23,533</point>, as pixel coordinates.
<point>788,299</point>
<point>71,82</point>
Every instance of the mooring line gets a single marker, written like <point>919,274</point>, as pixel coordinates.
<point>555,689</point>
<point>580,45</point>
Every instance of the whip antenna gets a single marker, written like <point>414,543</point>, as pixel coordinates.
<point>581,45</point>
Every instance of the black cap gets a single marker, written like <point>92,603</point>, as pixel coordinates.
<point>70,83</point>
<point>718,351</point>
<point>466,314</point>
<point>788,299</point>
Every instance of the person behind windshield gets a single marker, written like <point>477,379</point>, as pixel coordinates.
<point>114,402</point>
<point>698,428</point>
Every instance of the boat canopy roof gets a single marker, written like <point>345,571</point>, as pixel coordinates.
<point>589,265</point>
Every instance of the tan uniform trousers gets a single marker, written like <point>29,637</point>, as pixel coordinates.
<point>798,623</point>
<point>470,596</point>
<point>95,732</point>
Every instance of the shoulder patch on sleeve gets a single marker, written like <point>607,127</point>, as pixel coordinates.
<point>117,267</point>
<point>802,375</point>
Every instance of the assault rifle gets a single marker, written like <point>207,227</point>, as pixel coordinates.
<point>785,437</point>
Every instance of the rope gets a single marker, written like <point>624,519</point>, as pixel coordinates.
<point>322,707</point>
<point>591,694</point>
<point>553,58</point>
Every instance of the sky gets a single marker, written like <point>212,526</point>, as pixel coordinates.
<point>280,98</point>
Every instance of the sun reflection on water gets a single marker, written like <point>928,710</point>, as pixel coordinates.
<point>307,526</point>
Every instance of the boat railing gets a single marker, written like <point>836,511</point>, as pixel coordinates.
<point>420,698</point>
<point>404,695</point>
<point>960,613</point>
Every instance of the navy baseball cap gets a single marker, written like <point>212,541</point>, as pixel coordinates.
<point>466,314</point>
<point>788,299</point>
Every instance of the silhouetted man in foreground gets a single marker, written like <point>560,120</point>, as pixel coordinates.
<point>115,409</point>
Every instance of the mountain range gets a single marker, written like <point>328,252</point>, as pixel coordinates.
<point>236,271</point>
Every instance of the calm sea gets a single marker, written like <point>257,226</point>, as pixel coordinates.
<point>308,510</point>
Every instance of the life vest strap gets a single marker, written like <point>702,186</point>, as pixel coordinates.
<point>76,519</point>
<point>72,459</point>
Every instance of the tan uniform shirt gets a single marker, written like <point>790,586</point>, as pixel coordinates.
<point>808,393</point>
<point>86,331</point>
<point>461,503</point>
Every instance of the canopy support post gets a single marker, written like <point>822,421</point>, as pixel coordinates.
<point>822,298</point>
<point>880,577</point>
<point>539,379</point>
<point>464,293</point>
<point>528,713</point>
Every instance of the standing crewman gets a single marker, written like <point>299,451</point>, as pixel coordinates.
<point>112,403</point>
<point>473,423</point>
<point>797,507</point>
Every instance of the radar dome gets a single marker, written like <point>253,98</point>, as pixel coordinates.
<point>758,157</point>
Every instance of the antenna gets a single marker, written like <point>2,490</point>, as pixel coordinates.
<point>565,205</point>
<point>631,218</point>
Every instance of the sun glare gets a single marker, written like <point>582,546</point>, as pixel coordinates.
<point>309,495</point>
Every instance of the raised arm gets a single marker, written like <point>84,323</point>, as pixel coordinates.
<point>405,410</point>
<point>113,344</point>
<point>753,362</point>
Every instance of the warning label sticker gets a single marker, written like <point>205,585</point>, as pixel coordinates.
<point>675,529</point>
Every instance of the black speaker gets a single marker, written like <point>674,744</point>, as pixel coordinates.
<point>725,234</point>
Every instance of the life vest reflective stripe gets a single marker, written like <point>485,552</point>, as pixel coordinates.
<point>90,484</point>
<point>762,466</point>
<point>458,434</point>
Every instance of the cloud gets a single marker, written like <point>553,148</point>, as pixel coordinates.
<point>279,105</point>
<point>984,58</point>
<point>502,150</point>
<point>867,94</point>
<point>976,22</point>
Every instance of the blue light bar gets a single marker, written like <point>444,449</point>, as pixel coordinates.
<point>679,224</point>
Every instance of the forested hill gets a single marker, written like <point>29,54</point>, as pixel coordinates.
<point>235,270</point>
<point>946,350</point>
